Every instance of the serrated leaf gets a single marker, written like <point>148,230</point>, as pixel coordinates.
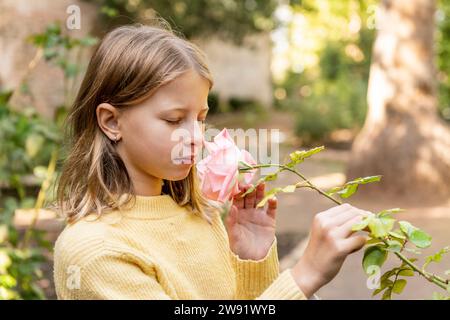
<point>374,255</point>
<point>298,156</point>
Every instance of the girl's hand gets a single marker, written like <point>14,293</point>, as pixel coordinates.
<point>330,242</point>
<point>251,230</point>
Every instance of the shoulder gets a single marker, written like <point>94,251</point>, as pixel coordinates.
<point>82,241</point>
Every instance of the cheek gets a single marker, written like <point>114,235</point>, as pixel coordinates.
<point>149,148</point>
<point>146,140</point>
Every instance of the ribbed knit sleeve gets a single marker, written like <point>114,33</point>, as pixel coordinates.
<point>130,281</point>
<point>260,279</point>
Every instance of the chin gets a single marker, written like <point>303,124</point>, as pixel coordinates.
<point>179,173</point>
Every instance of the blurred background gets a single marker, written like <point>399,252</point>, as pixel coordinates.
<point>369,79</point>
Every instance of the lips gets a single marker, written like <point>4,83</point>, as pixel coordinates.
<point>185,160</point>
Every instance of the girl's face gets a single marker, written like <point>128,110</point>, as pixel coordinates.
<point>160,138</point>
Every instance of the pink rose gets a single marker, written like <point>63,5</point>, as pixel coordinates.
<point>219,171</point>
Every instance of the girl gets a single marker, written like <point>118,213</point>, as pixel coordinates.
<point>138,227</point>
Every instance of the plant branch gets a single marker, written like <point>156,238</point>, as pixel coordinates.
<point>442,283</point>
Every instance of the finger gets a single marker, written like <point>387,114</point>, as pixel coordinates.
<point>231,219</point>
<point>250,200</point>
<point>345,216</point>
<point>260,192</point>
<point>272,207</point>
<point>345,230</point>
<point>238,200</point>
<point>334,211</point>
<point>354,243</point>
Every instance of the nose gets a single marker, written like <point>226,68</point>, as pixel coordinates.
<point>194,140</point>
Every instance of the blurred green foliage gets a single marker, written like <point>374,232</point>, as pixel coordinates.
<point>443,61</point>
<point>330,94</point>
<point>29,146</point>
<point>232,19</point>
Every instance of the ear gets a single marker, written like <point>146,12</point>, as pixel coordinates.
<point>108,120</point>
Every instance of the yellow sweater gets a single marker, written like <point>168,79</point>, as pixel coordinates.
<point>159,250</point>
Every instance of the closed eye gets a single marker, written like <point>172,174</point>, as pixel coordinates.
<point>173,122</point>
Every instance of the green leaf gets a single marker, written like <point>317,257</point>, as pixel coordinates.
<point>365,180</point>
<point>406,273</point>
<point>374,255</point>
<point>385,283</point>
<point>348,191</point>
<point>289,188</point>
<point>397,234</point>
<point>389,211</point>
<point>388,223</point>
<point>394,246</point>
<point>269,195</point>
<point>299,156</point>
<point>334,190</point>
<point>420,238</point>
<point>399,285</point>
<point>437,257</point>
<point>406,227</point>
<point>387,294</point>
<point>378,228</point>
<point>351,187</point>
<point>363,224</point>
<point>249,190</point>
<point>374,241</point>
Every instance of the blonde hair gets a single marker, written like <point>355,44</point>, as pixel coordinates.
<point>128,66</point>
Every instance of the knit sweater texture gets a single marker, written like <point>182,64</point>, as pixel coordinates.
<point>160,250</point>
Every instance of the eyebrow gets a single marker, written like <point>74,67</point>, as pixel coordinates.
<point>184,109</point>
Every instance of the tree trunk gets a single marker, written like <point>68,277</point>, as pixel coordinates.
<point>403,137</point>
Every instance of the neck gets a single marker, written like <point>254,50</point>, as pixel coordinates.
<point>148,187</point>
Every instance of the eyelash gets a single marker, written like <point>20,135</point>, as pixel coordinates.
<point>177,122</point>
